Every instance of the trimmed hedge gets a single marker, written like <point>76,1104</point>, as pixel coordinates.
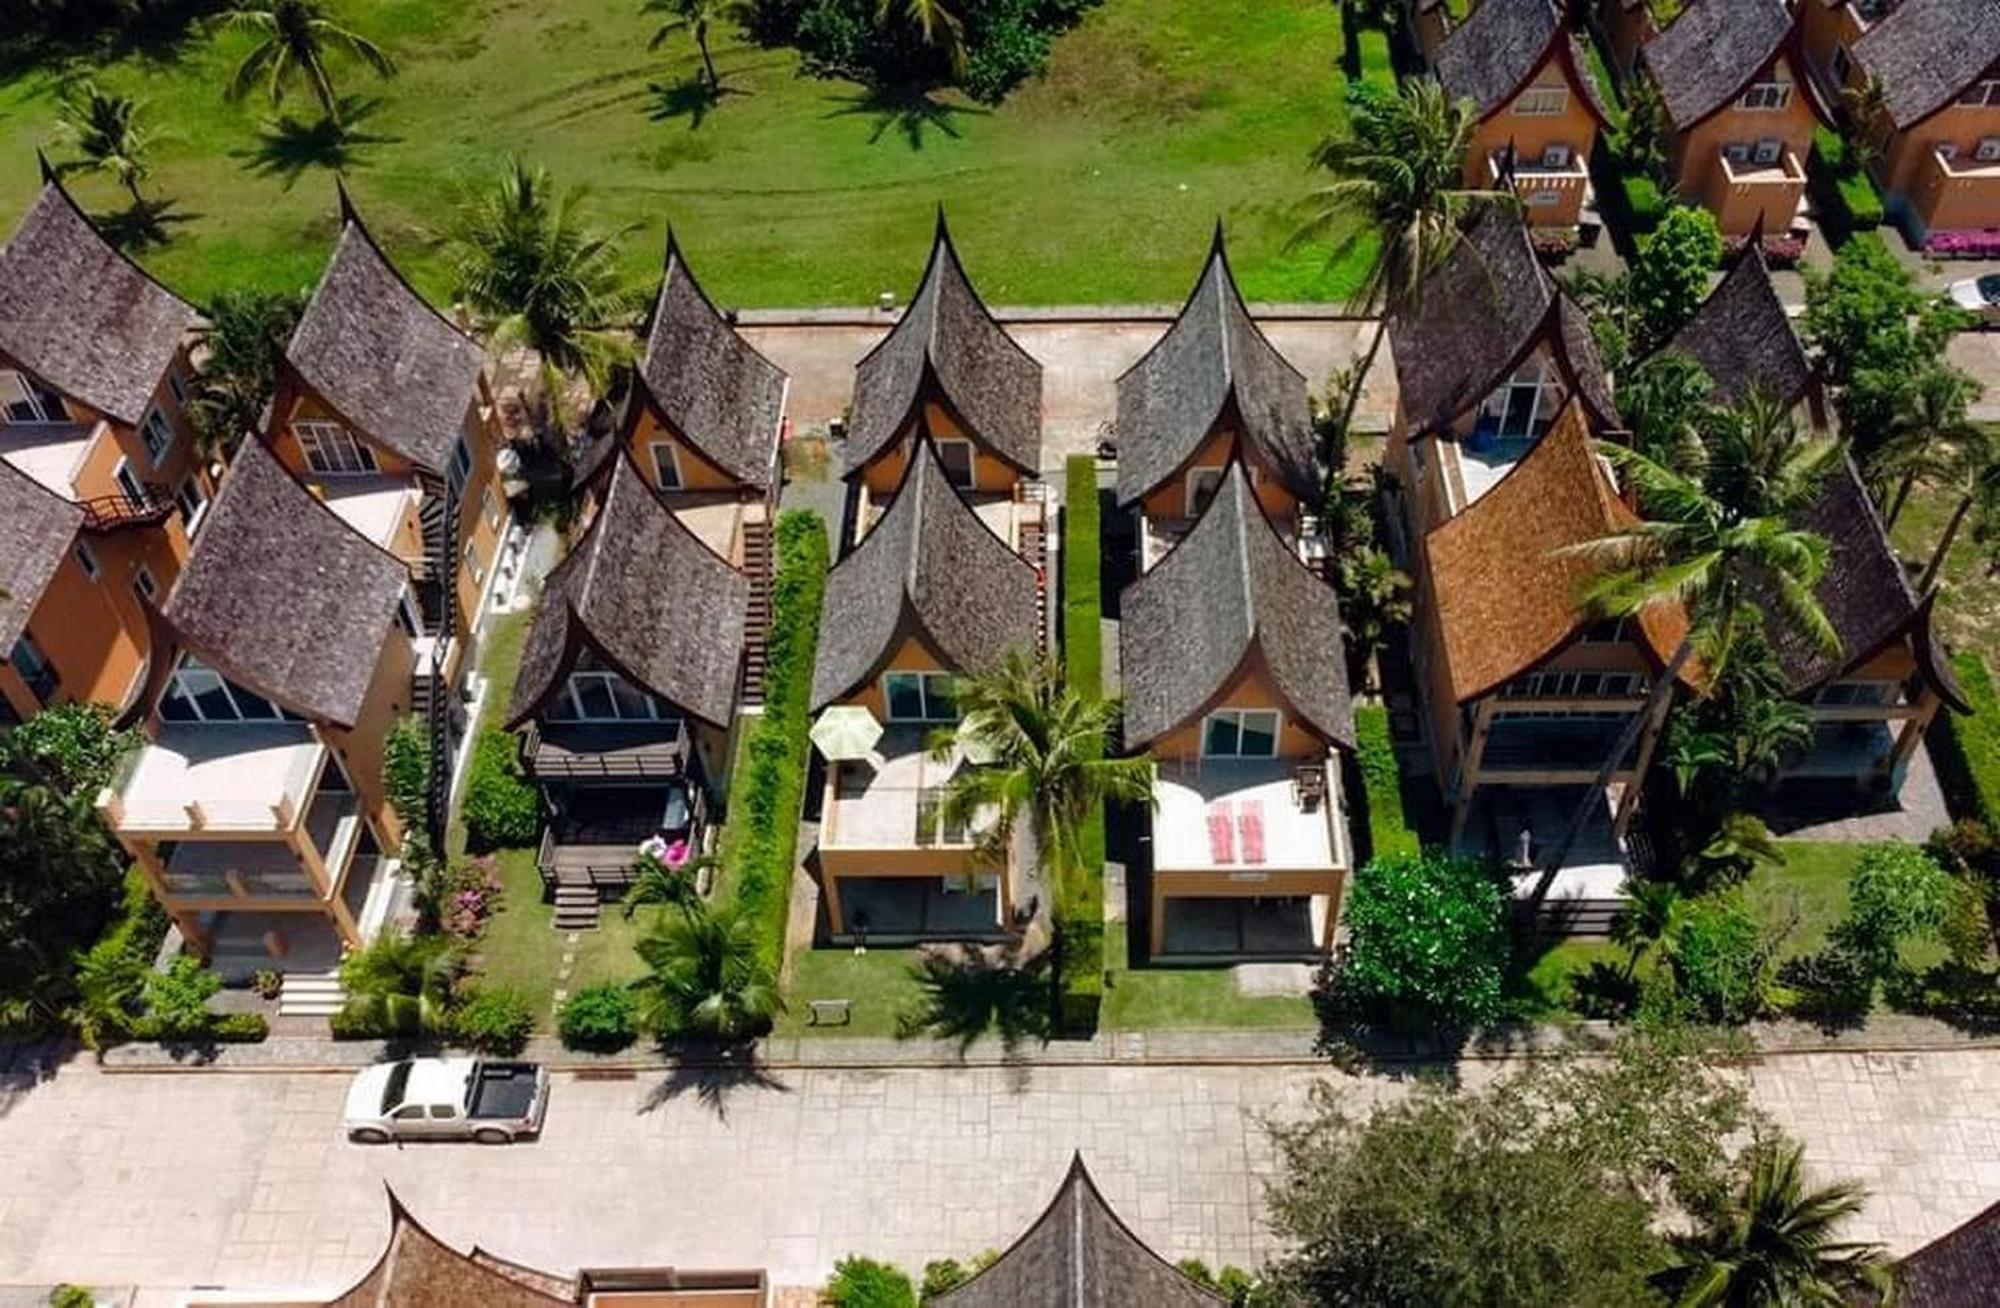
<point>502,807</point>
<point>1378,69</point>
<point>765,800</point>
<point>1644,204</point>
<point>1080,897</point>
<point>1389,831</point>
<point>1966,750</point>
<point>1846,184</point>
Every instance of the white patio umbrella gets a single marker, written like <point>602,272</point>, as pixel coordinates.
<point>846,731</point>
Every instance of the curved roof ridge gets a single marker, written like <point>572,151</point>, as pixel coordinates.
<point>1741,335</point>
<point>1714,49</point>
<point>37,527</point>
<point>1927,52</point>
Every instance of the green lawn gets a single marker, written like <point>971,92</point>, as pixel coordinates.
<point>1187,998</point>
<point>522,951</point>
<point>878,983</point>
<point>1098,182</point>
<point>1969,611</point>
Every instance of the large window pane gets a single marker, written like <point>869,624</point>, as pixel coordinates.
<point>905,693</point>
<point>632,703</point>
<point>593,694</point>
<point>939,706</point>
<point>1259,734</point>
<point>1221,738</point>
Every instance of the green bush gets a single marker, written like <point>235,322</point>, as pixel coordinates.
<point>765,799</point>
<point>73,745</point>
<point>1845,181</point>
<point>602,1019</point>
<point>239,1028</point>
<point>177,999</point>
<point>1389,831</point>
<point>1080,897</point>
<point>943,1275</point>
<point>1720,963</point>
<point>1644,205</point>
<point>502,807</point>
<point>494,1022</point>
<point>1897,894</point>
<point>111,975</point>
<point>1966,750</point>
<point>1428,944</point>
<point>406,770</point>
<point>1377,68</point>
<point>71,1296</point>
<point>865,1283</point>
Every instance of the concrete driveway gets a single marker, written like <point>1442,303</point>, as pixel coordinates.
<point>169,1180</point>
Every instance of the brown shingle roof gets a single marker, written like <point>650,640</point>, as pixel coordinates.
<point>375,350</point>
<point>1959,1269</point>
<point>1928,51</point>
<point>1742,338</point>
<point>283,597</point>
<point>36,529</point>
<point>929,567</point>
<point>1211,359</point>
<point>83,317</point>
<point>1709,54</point>
<point>1492,55</point>
<point>1506,597</point>
<point>1231,591</point>
<point>418,1270</point>
<point>991,383</point>
<point>649,597</point>
<point>710,384</point>
<point>1078,1254</point>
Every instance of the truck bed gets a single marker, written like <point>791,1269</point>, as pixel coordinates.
<point>503,1092</point>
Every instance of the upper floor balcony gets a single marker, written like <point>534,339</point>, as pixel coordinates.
<point>1250,818</point>
<point>895,800</point>
<point>224,779</point>
<point>1764,181</point>
<point>52,453</point>
<point>1954,193</point>
<point>1553,188</point>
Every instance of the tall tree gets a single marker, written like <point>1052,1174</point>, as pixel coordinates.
<point>1775,1244</point>
<point>933,21</point>
<point>1925,434</point>
<point>108,134</point>
<point>1670,274</point>
<point>696,17</point>
<point>536,276</point>
<point>294,39</point>
<point>704,978</point>
<point>241,343</point>
<point>1398,192</point>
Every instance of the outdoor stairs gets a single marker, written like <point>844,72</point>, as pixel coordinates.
<point>757,619</point>
<point>311,994</point>
<point>577,907</point>
<point>1035,549</point>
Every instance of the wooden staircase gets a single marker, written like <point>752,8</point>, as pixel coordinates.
<point>577,907</point>
<point>757,619</point>
<point>1033,517</point>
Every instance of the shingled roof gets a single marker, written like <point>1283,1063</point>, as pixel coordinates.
<point>1213,362</point>
<point>1742,338</point>
<point>386,361</point>
<point>1478,317</point>
<point>418,1270</point>
<point>283,597</point>
<point>1506,596</point>
<point>709,384</point>
<point>1926,52</point>
<point>1078,1254</point>
<point>928,568</point>
<point>36,528</point>
<point>82,317</point>
<point>1711,52</point>
<point>1957,1270</point>
<point>947,336</point>
<point>1232,593</point>
<point>1865,594</point>
<point>650,599</point>
<point>1490,57</point>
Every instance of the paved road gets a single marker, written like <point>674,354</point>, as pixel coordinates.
<point>238,1179</point>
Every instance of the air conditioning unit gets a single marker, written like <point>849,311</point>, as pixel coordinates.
<point>1555,156</point>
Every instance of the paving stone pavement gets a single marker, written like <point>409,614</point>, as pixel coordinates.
<point>242,1180</point>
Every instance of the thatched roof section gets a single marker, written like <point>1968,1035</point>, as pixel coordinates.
<point>81,316</point>
<point>376,351</point>
<point>928,568</point>
<point>1213,366</point>
<point>1926,52</point>
<point>1492,56</point>
<point>708,383</point>
<point>1232,595</point>
<point>37,527</point>
<point>1741,336</point>
<point>282,597</point>
<point>418,1270</point>
<point>1079,1254</point>
<point>650,599</point>
<point>1712,51</point>
<point>948,339</point>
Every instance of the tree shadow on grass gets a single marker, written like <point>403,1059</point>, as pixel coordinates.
<point>288,146</point>
<point>691,98</point>
<point>143,225</point>
<point>963,1001</point>
<point>912,112</point>
<point>712,1074</point>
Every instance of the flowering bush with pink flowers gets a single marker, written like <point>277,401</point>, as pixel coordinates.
<point>470,894</point>
<point>1779,251</point>
<point>1976,243</point>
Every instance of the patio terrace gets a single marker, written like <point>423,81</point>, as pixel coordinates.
<point>212,777</point>
<point>1243,817</point>
<point>893,801</point>
<point>49,452</point>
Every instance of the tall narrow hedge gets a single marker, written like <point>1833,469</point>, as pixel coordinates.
<point>765,798</point>
<point>1966,750</point>
<point>1389,831</point>
<point>1080,895</point>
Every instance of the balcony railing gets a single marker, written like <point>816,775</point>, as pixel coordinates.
<point>108,513</point>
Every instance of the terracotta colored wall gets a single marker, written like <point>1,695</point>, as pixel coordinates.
<point>1531,135</point>
<point>84,634</point>
<point>482,434</point>
<point>360,748</point>
<point>697,472</point>
<point>914,655</point>
<point>1826,26</point>
<point>883,473</point>
<point>1698,166</point>
<point>298,404</point>
<point>1249,688</point>
<point>1169,501</point>
<point>1169,883</point>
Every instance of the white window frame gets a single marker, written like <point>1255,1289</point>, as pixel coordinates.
<point>156,434</point>
<point>1988,150</point>
<point>1198,477</point>
<point>1541,101</point>
<point>87,560</point>
<point>145,585</point>
<point>667,460</point>
<point>129,484</point>
<point>460,471</point>
<point>971,461</point>
<point>331,450</point>
<point>191,519</point>
<point>1240,716</point>
<point>189,671</point>
<point>1765,97</point>
<point>609,682</point>
<point>924,680</point>
<point>474,565</point>
<point>26,392</point>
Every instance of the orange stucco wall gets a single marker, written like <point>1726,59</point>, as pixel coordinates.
<point>1531,135</point>
<point>1248,688</point>
<point>883,473</point>
<point>913,655</point>
<point>360,747</point>
<point>99,651</point>
<point>697,472</point>
<point>1697,157</point>
<point>1169,500</point>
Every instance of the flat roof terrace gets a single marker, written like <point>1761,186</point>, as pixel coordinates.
<point>197,778</point>
<point>1246,816</point>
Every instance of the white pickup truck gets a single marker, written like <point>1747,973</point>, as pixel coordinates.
<point>447,1099</point>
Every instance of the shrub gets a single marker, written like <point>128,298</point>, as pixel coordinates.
<point>1389,831</point>
<point>1671,271</point>
<point>1080,899</point>
<point>1004,42</point>
<point>494,1022</point>
<point>1428,943</point>
<point>1720,961</point>
<point>239,1028</point>
<point>1644,205</point>
<point>602,1019</point>
<point>502,807</point>
<point>177,999</point>
<point>406,770</point>
<point>71,1296</point>
<point>942,1275</point>
<point>1844,182</point>
<point>1966,749</point>
<point>73,745</point>
<point>1897,894</point>
<point>111,975</point>
<point>765,803</point>
<point>865,1283</point>
<point>1833,985</point>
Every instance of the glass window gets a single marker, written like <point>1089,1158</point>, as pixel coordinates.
<point>178,387</point>
<point>593,696</point>
<point>159,437</point>
<point>1989,149</point>
<point>197,693</point>
<point>461,466</point>
<point>1541,101</point>
<point>956,456</point>
<point>904,692</point>
<point>443,1112</point>
<point>1202,483</point>
<point>605,697</point>
<point>128,482</point>
<point>1241,733</point>
<point>142,582</point>
<point>1983,92</point>
<point>24,401</point>
<point>86,560</point>
<point>332,451</point>
<point>34,667</point>
<point>473,566</point>
<point>192,504</point>
<point>1766,95</point>
<point>1222,738</point>
<point>666,465</point>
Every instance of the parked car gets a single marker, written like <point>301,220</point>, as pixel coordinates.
<point>1980,295</point>
<point>447,1099</point>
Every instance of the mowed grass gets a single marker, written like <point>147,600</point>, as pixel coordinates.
<point>1096,183</point>
<point>1968,612</point>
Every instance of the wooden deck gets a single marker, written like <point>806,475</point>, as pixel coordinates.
<point>635,751</point>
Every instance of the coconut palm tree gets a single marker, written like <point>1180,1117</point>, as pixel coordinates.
<point>241,342</point>
<point>1868,120</point>
<point>1398,192</point>
<point>656,883</point>
<point>696,17</point>
<point>1652,909</point>
<point>402,984</point>
<point>1929,423</point>
<point>536,276</point>
<point>294,38</point>
<point>705,978</point>
<point>1666,402</point>
<point>935,23</point>
<point>1774,1243</point>
<point>106,131</point>
<point>1048,770</point>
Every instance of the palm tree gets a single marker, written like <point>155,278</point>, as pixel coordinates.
<point>241,343</point>
<point>1374,601</point>
<point>294,39</point>
<point>106,131</point>
<point>1716,539</point>
<point>705,977</point>
<point>402,984</point>
<point>657,883</point>
<point>524,263</point>
<point>1773,1243</point>
<point>1652,909</point>
<point>696,17</point>
<point>1667,402</point>
<point>1048,769</point>
<point>1398,190</point>
<point>935,23</point>
<point>1930,420</point>
<point>1867,109</point>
